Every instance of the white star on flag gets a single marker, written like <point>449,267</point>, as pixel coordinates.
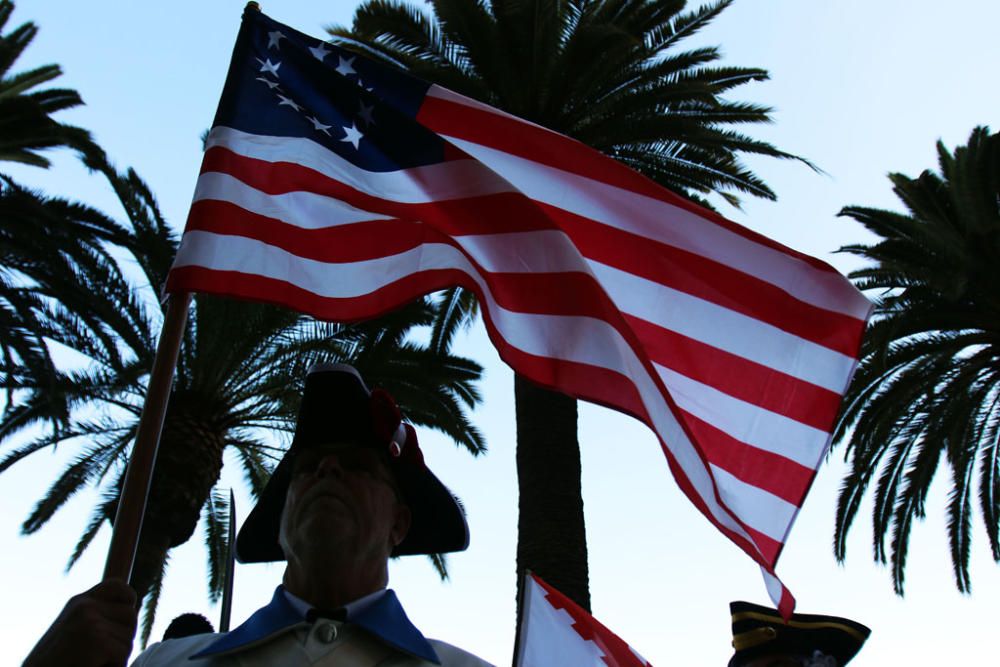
<point>270,84</point>
<point>353,135</point>
<point>268,66</point>
<point>345,67</point>
<point>286,101</point>
<point>319,52</point>
<point>273,38</point>
<point>366,113</point>
<point>319,126</point>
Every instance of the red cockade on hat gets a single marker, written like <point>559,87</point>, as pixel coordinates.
<point>385,415</point>
<point>388,425</point>
<point>410,453</point>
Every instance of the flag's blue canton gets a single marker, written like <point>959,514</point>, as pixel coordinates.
<point>284,83</point>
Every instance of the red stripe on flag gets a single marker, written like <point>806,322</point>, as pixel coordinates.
<point>772,472</point>
<point>598,385</point>
<point>709,280</point>
<point>604,387</point>
<point>786,607</point>
<point>760,547</point>
<point>347,243</point>
<point>739,377</point>
<point>517,137</point>
<point>484,214</point>
<point>281,293</point>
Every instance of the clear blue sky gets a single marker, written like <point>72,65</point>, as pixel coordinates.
<point>860,88</point>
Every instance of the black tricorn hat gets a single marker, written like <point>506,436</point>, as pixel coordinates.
<point>760,631</point>
<point>337,406</point>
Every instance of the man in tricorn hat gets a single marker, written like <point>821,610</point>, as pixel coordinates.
<point>351,491</point>
<point>763,639</point>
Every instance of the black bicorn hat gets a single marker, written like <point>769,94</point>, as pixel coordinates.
<point>337,406</point>
<point>760,631</point>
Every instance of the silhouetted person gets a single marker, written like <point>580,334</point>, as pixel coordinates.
<point>763,639</point>
<point>351,491</point>
<point>187,625</point>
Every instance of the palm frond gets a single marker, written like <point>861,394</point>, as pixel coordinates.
<point>151,602</point>
<point>103,513</point>
<point>926,385</point>
<point>216,542</point>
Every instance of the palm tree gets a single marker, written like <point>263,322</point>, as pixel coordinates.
<point>238,381</point>
<point>928,384</point>
<point>609,73</point>
<point>41,238</point>
<point>64,281</point>
<point>26,123</point>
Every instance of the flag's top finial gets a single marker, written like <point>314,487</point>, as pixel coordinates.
<point>252,7</point>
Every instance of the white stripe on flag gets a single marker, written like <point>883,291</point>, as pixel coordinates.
<point>446,180</point>
<point>646,216</point>
<point>724,329</point>
<point>543,251</point>
<point>765,512</point>
<point>775,588</point>
<point>305,210</point>
<point>747,422</point>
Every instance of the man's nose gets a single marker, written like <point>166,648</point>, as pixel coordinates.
<point>329,466</point>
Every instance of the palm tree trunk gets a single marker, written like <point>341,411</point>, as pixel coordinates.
<point>188,464</point>
<point>552,538</point>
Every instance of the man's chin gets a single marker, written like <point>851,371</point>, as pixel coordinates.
<point>323,542</point>
<point>324,499</point>
<point>325,516</point>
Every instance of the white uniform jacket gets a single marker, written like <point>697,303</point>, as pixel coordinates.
<point>375,634</point>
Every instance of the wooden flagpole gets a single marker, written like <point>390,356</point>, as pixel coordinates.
<point>132,504</point>
<point>522,612</point>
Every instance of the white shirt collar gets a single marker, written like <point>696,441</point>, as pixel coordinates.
<point>351,608</point>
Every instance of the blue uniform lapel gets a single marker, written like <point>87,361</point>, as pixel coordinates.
<point>386,619</point>
<point>383,617</point>
<point>278,616</point>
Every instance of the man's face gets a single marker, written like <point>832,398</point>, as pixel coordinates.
<point>341,500</point>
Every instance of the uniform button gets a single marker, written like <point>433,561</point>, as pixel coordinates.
<point>327,633</point>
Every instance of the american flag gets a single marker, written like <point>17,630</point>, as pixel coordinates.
<point>343,188</point>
